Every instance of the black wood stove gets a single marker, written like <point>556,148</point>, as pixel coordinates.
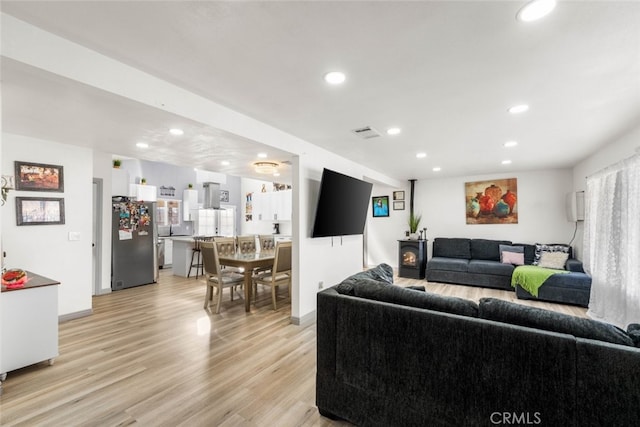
<point>412,260</point>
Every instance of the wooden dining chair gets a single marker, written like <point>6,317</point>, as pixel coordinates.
<point>246,244</point>
<point>267,242</point>
<point>217,278</point>
<point>280,273</point>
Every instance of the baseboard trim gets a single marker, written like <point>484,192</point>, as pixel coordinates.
<point>305,320</point>
<point>75,315</point>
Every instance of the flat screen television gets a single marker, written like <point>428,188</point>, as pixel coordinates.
<point>343,203</point>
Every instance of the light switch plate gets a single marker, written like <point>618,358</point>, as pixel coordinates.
<point>74,235</point>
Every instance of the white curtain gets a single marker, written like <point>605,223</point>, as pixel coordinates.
<point>612,242</point>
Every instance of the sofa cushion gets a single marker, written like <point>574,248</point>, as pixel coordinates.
<point>398,295</point>
<point>448,264</point>
<point>633,330</point>
<point>487,249</point>
<point>529,252</point>
<point>451,248</point>
<point>517,314</point>
<point>495,268</point>
<point>512,254</point>
<point>554,260</point>
<point>554,247</point>
<point>382,273</point>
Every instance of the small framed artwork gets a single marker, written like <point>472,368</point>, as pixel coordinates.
<point>39,177</point>
<point>398,205</point>
<point>224,196</point>
<point>39,210</point>
<point>380,206</point>
<point>398,195</point>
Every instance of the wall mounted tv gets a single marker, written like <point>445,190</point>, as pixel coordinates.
<point>343,203</point>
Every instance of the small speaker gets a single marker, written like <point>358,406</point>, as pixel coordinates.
<point>575,206</point>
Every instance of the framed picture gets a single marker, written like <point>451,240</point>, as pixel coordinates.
<point>224,196</point>
<point>492,202</point>
<point>39,210</point>
<point>38,177</point>
<point>380,205</point>
<point>398,205</point>
<point>398,195</point>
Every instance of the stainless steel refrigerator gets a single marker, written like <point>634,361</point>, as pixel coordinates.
<point>134,239</point>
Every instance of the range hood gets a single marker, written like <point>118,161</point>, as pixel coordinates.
<point>211,195</point>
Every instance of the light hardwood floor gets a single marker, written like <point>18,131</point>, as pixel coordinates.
<point>152,356</point>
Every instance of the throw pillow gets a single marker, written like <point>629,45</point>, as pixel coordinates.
<point>512,254</point>
<point>538,318</point>
<point>512,258</point>
<point>380,273</point>
<point>555,260</point>
<point>540,248</point>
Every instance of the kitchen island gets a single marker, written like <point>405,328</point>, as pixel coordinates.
<point>182,249</point>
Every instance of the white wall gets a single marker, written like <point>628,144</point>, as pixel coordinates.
<point>383,233</point>
<point>46,249</point>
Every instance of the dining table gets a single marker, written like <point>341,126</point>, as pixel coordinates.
<point>248,261</point>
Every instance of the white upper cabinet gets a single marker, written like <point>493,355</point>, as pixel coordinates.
<point>272,206</point>
<point>189,204</point>
<point>146,193</point>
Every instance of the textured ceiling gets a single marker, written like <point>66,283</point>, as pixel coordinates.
<point>445,72</point>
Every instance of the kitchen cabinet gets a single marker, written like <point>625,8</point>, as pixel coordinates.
<point>119,182</point>
<point>272,206</point>
<point>146,193</point>
<point>189,204</point>
<point>29,318</point>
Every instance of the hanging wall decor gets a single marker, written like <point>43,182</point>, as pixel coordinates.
<point>38,177</point>
<point>492,202</point>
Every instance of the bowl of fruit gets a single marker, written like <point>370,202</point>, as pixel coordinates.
<point>14,278</point>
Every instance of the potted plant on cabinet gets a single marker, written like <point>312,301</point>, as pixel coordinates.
<point>414,223</point>
<point>143,181</point>
<point>117,163</point>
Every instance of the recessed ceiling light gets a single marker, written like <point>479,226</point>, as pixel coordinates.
<point>509,144</point>
<point>335,77</point>
<point>517,109</point>
<point>393,131</point>
<point>421,155</point>
<point>176,131</point>
<point>225,163</point>
<point>437,169</point>
<point>276,174</point>
<point>262,155</point>
<point>142,145</point>
<point>506,162</point>
<point>535,10</point>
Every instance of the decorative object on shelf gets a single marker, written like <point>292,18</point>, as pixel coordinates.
<point>248,207</point>
<point>423,233</point>
<point>38,177</point>
<point>39,211</point>
<point>116,163</point>
<point>492,202</point>
<point>398,205</point>
<point>281,187</point>
<point>380,206</point>
<point>7,184</point>
<point>224,196</point>
<point>167,191</point>
<point>414,223</point>
<point>398,195</point>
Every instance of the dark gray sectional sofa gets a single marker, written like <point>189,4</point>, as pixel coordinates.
<point>476,262</point>
<point>391,356</point>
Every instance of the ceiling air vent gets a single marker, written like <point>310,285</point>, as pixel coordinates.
<point>366,132</point>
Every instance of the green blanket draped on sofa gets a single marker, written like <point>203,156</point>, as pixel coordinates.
<point>531,277</point>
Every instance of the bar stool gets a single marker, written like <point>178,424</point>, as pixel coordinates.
<point>196,253</point>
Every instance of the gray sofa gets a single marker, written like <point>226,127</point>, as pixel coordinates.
<point>476,262</point>
<point>391,356</point>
